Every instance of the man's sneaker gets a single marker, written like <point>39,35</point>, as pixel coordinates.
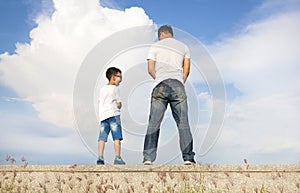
<point>189,162</point>
<point>119,161</point>
<point>100,161</point>
<point>147,162</point>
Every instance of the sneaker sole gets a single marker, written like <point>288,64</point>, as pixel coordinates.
<point>188,163</point>
<point>119,163</point>
<point>148,163</point>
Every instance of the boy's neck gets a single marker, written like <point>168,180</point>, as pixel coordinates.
<point>111,83</point>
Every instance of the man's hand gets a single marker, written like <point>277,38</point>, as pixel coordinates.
<point>186,68</point>
<point>151,68</point>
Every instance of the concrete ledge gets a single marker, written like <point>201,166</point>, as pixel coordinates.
<point>153,168</point>
<point>156,178</point>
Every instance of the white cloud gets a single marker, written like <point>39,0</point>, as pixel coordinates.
<point>266,53</point>
<point>278,6</point>
<point>266,124</point>
<point>24,135</point>
<point>43,72</point>
<point>203,95</point>
<point>262,61</point>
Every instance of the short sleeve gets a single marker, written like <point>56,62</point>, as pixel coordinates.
<point>187,52</point>
<point>152,54</point>
<point>117,94</point>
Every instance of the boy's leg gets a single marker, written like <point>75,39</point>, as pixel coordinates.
<point>116,131</point>
<point>104,130</point>
<point>118,160</point>
<point>117,145</point>
<point>101,145</point>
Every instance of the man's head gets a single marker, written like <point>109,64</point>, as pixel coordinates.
<point>165,31</point>
<point>114,75</point>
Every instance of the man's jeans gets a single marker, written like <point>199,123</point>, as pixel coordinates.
<point>171,92</point>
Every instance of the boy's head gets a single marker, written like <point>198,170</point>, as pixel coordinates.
<point>114,75</point>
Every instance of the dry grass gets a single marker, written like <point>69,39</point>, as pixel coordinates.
<point>138,178</point>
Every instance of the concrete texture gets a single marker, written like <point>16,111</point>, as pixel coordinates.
<point>156,178</point>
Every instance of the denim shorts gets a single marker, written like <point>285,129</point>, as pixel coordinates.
<point>112,124</point>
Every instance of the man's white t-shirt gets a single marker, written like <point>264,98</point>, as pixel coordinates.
<point>168,55</point>
<point>108,98</point>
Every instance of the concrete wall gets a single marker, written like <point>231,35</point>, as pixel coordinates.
<point>139,178</point>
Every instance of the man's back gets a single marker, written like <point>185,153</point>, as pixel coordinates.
<point>168,55</point>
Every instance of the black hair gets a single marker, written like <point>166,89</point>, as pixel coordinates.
<point>111,72</point>
<point>165,29</point>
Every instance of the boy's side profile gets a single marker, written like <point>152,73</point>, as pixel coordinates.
<point>109,115</point>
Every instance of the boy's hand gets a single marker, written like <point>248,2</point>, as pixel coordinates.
<point>119,105</point>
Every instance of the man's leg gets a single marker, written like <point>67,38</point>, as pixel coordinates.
<point>158,108</point>
<point>179,109</point>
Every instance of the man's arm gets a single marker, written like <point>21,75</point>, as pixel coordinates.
<point>186,68</point>
<point>151,68</point>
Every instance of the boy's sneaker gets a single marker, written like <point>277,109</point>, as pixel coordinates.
<point>189,162</point>
<point>100,161</point>
<point>147,163</point>
<point>119,161</point>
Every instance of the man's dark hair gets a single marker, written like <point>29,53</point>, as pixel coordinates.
<point>111,72</point>
<point>165,29</point>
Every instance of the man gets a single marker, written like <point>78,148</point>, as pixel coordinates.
<point>169,65</point>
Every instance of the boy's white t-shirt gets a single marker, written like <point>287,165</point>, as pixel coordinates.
<point>108,97</point>
<point>168,55</point>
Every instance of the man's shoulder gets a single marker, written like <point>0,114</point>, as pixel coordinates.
<point>171,42</point>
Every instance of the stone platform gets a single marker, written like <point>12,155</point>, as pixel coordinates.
<point>156,178</point>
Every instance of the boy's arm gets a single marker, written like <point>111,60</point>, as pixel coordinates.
<point>186,68</point>
<point>118,99</point>
<point>151,68</point>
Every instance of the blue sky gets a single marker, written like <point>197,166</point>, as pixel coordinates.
<point>254,44</point>
<point>206,20</point>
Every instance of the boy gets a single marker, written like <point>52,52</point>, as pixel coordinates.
<point>109,114</point>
